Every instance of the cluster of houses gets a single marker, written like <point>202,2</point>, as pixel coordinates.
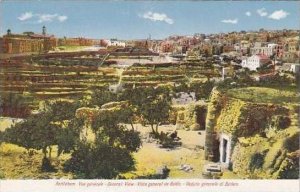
<point>253,50</point>
<point>245,43</point>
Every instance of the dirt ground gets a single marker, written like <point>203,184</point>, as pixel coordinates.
<point>150,158</point>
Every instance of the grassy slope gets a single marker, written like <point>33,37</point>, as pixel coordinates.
<point>17,164</point>
<point>266,95</point>
<point>71,48</point>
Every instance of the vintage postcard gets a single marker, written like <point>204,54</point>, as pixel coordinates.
<point>149,96</point>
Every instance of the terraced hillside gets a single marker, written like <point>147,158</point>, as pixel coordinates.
<point>49,81</point>
<point>164,73</point>
<point>72,76</point>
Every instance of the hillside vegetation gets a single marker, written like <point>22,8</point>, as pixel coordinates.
<point>264,131</point>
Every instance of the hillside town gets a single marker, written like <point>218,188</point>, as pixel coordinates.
<point>252,50</point>
<point>202,106</point>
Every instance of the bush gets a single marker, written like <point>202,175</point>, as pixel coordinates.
<point>165,140</point>
<point>290,167</point>
<point>292,143</point>
<point>100,161</point>
<point>46,165</point>
<point>281,122</point>
<point>257,161</point>
<point>1,175</point>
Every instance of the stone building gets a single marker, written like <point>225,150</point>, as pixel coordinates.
<point>78,41</point>
<point>28,42</point>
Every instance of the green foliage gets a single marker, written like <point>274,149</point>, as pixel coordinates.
<point>60,110</point>
<point>280,121</point>
<point>14,105</point>
<point>167,141</point>
<point>265,95</point>
<point>241,119</point>
<point>292,143</point>
<point>43,130</point>
<point>102,96</point>
<point>249,156</point>
<point>46,165</point>
<point>155,110</point>
<point>256,161</point>
<point>290,167</point>
<point>67,138</point>
<point>131,140</point>
<point>152,104</point>
<point>277,80</point>
<point>110,153</point>
<point>213,111</point>
<point>35,132</point>
<point>108,129</point>
<point>100,161</point>
<point>254,156</point>
<point>193,117</point>
<point>1,175</point>
<point>258,157</point>
<point>203,90</point>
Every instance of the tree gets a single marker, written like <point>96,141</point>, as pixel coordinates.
<point>37,132</point>
<point>102,96</point>
<point>110,153</point>
<point>15,105</point>
<point>101,161</point>
<point>155,111</point>
<point>152,104</point>
<point>67,138</point>
<point>61,110</point>
<point>202,90</point>
<point>127,115</point>
<point>149,103</point>
<point>43,130</point>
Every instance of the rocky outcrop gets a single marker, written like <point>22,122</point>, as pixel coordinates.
<point>264,142</point>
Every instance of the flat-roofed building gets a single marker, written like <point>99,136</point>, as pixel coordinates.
<point>255,62</point>
<point>28,42</point>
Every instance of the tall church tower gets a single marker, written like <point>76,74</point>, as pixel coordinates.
<point>44,30</point>
<point>8,32</point>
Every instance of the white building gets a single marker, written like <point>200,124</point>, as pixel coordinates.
<point>255,62</point>
<point>295,68</point>
<point>115,42</point>
<point>268,49</point>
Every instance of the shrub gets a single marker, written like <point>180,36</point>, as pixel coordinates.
<point>256,161</point>
<point>292,143</point>
<point>280,122</point>
<point>100,161</point>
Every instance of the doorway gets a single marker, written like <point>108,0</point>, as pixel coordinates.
<point>224,151</point>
